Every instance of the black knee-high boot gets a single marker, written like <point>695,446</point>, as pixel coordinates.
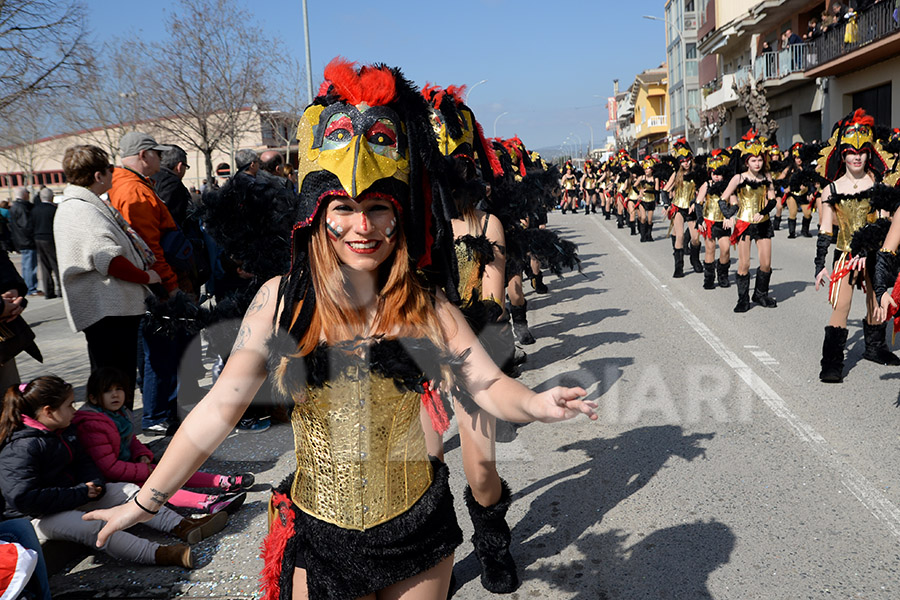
<point>743,286</point>
<point>679,262</point>
<point>491,540</point>
<point>620,220</point>
<point>876,347</point>
<point>804,227</point>
<point>520,324</point>
<point>792,228</point>
<point>633,225</point>
<point>722,274</point>
<point>537,282</point>
<point>695,258</point>
<point>761,290</point>
<point>833,355</point>
<point>648,226</point>
<point>776,223</point>
<point>709,276</point>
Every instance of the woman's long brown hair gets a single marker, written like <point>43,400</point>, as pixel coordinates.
<point>404,308</point>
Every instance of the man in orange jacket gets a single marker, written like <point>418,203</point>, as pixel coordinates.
<point>133,195</point>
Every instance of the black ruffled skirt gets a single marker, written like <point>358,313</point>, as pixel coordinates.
<point>344,564</point>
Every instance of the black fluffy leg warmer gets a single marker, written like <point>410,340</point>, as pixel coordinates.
<point>491,540</point>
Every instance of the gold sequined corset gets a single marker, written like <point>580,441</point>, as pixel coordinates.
<point>711,208</point>
<point>684,194</point>
<point>589,183</point>
<point>633,193</point>
<point>361,457</point>
<point>569,184</point>
<point>471,270</point>
<point>851,213</point>
<point>648,191</point>
<point>751,200</point>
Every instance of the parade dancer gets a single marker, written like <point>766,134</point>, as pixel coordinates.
<point>852,161</point>
<point>776,165</point>
<point>589,186</point>
<point>569,184</point>
<point>633,196</point>
<point>751,195</point>
<point>798,188</point>
<point>605,185</point>
<point>648,188</point>
<point>710,221</point>
<point>356,312</point>
<point>481,263</point>
<point>682,189</point>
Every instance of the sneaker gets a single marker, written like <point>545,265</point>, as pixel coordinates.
<point>161,428</point>
<point>235,483</point>
<point>251,425</point>
<point>228,503</point>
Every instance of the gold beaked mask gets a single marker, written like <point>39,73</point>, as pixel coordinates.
<point>856,136</point>
<point>359,145</point>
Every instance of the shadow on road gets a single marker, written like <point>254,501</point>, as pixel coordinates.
<point>566,505</point>
<point>786,290</point>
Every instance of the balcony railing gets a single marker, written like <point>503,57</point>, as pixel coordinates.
<point>869,26</point>
<point>775,65</point>
<point>659,121</point>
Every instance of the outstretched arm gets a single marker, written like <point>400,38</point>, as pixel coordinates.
<point>500,395</point>
<point>209,422</point>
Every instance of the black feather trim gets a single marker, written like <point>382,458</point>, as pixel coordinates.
<point>717,188</point>
<point>178,314</point>
<point>754,184</point>
<point>869,239</point>
<point>552,251</point>
<point>885,197</point>
<point>479,248</point>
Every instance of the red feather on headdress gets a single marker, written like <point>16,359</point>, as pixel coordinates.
<point>860,117</point>
<point>373,85</point>
<point>750,135</point>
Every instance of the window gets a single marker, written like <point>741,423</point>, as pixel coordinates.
<point>690,51</point>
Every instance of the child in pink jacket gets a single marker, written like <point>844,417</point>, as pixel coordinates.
<point>105,429</point>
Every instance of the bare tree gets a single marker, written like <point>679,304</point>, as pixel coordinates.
<point>287,99</point>
<point>107,103</point>
<point>208,75</point>
<point>19,137</point>
<point>42,42</point>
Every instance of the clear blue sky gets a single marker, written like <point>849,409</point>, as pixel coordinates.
<point>550,65</point>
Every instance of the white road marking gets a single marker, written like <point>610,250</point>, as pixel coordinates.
<point>861,488</point>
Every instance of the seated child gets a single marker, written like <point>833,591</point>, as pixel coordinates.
<point>105,429</point>
<point>46,475</point>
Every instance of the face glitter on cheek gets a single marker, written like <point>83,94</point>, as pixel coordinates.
<point>334,230</point>
<point>391,229</point>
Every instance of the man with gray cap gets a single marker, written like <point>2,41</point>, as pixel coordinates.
<point>133,195</point>
<point>22,230</point>
<point>42,216</point>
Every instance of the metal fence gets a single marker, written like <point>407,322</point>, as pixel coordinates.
<point>878,21</point>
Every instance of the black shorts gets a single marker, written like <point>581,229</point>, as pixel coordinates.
<point>687,214</point>
<point>648,205</point>
<point>718,232</point>
<point>759,231</point>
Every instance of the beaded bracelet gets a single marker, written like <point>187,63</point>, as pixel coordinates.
<point>144,508</point>
<point>886,251</point>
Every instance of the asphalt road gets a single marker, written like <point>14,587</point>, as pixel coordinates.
<point>720,466</point>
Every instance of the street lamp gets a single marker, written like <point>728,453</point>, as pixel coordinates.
<point>591,147</point>
<point>580,143</point>
<point>469,91</point>
<point>683,69</point>
<point>506,112</point>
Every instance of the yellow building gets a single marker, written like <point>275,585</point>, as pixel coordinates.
<point>651,118</point>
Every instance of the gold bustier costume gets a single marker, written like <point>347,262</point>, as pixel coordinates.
<point>751,200</point>
<point>851,213</point>
<point>569,184</point>
<point>361,456</point>
<point>648,191</point>
<point>589,183</point>
<point>711,208</point>
<point>684,194</point>
<point>470,272</point>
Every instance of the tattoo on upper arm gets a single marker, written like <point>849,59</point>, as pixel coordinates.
<point>242,337</point>
<point>158,496</point>
<point>259,301</point>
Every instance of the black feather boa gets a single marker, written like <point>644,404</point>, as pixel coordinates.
<point>885,198</point>
<point>870,238</point>
<point>552,251</point>
<point>177,314</point>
